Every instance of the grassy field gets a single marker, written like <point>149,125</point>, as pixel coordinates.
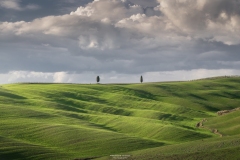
<point>98,121</point>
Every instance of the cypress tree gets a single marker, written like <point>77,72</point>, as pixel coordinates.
<point>98,79</point>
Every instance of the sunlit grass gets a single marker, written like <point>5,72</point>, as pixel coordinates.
<point>68,121</point>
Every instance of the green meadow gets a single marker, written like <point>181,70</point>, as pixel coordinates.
<point>120,121</point>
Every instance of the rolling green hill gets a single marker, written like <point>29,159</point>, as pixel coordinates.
<point>152,120</point>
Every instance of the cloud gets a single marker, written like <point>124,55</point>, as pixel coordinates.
<point>144,3</point>
<point>114,10</point>
<point>118,36</point>
<point>59,77</point>
<point>15,5</point>
<point>216,20</point>
<point>112,77</point>
<point>96,27</point>
<point>38,77</point>
<point>32,7</point>
<point>24,76</point>
<point>10,4</point>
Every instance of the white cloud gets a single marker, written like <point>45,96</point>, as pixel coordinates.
<point>113,77</point>
<point>32,76</point>
<point>15,5</point>
<point>59,77</point>
<point>10,4</point>
<point>24,76</point>
<point>185,75</point>
<point>215,19</point>
<point>116,24</point>
<point>114,10</point>
<point>83,11</point>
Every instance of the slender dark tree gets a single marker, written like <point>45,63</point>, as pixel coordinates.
<point>98,79</point>
<point>141,79</point>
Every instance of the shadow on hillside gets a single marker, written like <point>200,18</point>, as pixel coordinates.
<point>188,127</point>
<point>143,94</point>
<point>197,97</point>
<point>171,117</point>
<point>103,127</point>
<point>217,95</point>
<point>69,108</point>
<point>40,116</point>
<point>11,95</point>
<point>69,105</point>
<point>82,97</point>
<point>128,91</point>
<point>208,107</point>
<point>76,116</point>
<point>85,118</point>
<point>12,155</point>
<point>228,86</point>
<point>232,95</point>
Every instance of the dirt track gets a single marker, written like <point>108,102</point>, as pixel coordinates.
<point>200,125</point>
<point>227,111</point>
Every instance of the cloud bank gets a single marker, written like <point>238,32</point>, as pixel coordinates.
<point>126,38</point>
<point>111,77</point>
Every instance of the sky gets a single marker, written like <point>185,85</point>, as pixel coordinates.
<point>74,41</point>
